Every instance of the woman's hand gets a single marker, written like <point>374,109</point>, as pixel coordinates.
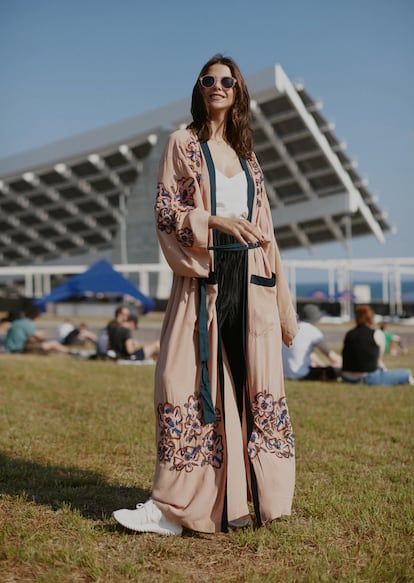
<point>242,229</point>
<point>287,339</point>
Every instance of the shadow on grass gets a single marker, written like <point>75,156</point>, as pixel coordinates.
<point>56,486</point>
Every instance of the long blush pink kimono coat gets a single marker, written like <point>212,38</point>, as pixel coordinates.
<point>207,470</point>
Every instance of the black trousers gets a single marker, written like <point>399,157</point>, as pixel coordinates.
<point>231,270</point>
<point>230,267</point>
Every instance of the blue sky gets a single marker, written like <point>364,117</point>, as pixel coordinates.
<point>68,67</point>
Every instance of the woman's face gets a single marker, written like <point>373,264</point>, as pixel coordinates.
<point>217,98</point>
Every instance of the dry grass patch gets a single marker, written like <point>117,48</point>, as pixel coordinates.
<point>77,441</point>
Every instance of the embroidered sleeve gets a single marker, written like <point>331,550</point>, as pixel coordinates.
<point>181,219</point>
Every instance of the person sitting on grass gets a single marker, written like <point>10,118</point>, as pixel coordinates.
<point>125,347</point>
<point>300,362</point>
<point>5,324</point>
<point>363,351</point>
<point>22,336</point>
<point>393,343</point>
<point>102,343</point>
<point>79,335</point>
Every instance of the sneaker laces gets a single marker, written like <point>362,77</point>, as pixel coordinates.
<point>147,509</point>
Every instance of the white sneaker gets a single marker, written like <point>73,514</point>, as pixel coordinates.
<point>146,518</point>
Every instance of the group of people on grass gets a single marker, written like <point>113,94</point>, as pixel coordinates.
<point>364,347</point>
<point>361,361</point>
<point>23,336</point>
<point>20,335</point>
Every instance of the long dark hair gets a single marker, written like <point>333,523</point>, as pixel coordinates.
<point>238,130</point>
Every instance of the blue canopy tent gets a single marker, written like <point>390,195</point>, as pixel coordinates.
<point>101,277</point>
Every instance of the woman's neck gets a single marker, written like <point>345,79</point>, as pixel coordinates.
<point>218,129</point>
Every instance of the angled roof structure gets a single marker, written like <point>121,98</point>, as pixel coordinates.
<point>66,198</point>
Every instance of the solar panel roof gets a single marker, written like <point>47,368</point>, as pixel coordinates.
<point>64,199</point>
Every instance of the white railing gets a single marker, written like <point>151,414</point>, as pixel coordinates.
<point>338,273</point>
<point>339,276</point>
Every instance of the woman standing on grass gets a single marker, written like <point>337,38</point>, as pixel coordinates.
<point>223,430</point>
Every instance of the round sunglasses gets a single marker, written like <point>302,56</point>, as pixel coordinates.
<point>208,81</point>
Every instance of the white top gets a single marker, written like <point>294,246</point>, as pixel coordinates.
<point>63,330</point>
<point>297,359</point>
<point>231,195</point>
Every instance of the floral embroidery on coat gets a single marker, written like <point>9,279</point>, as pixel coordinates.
<point>259,181</point>
<point>184,441</point>
<point>273,431</point>
<point>185,237</point>
<point>193,153</point>
<point>179,197</point>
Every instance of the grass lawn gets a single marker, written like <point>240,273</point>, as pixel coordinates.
<point>77,441</point>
